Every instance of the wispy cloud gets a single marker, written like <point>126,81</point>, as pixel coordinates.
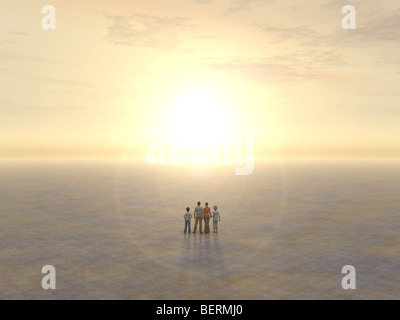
<point>18,33</point>
<point>13,37</point>
<point>140,29</point>
<point>243,5</point>
<point>233,6</point>
<point>338,4</point>
<point>300,33</point>
<point>376,31</point>
<point>274,69</point>
<point>49,80</point>
<point>20,108</point>
<point>290,67</point>
<point>17,56</point>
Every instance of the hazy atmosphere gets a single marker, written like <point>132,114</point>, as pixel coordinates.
<point>113,70</point>
<point>124,125</point>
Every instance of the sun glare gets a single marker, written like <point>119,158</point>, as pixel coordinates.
<point>199,120</point>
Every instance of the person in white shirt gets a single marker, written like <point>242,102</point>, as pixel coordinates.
<point>187,216</point>
<point>216,218</point>
<point>198,216</point>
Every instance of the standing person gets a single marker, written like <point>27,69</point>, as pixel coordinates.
<point>216,218</point>
<point>187,216</point>
<point>198,216</point>
<point>207,214</point>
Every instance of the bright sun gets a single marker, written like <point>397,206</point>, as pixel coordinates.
<point>199,120</point>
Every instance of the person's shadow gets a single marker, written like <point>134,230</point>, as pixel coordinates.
<point>201,266</point>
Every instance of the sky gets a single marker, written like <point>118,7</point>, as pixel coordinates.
<point>112,71</point>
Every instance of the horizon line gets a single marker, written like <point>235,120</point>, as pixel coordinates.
<point>140,153</point>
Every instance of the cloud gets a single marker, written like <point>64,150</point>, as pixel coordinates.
<point>12,107</point>
<point>300,65</point>
<point>63,82</point>
<point>383,29</point>
<point>9,41</point>
<point>15,56</point>
<point>146,30</point>
<point>18,33</point>
<point>335,4</point>
<point>239,5</point>
<point>273,69</point>
<point>243,5</point>
<point>56,81</point>
<point>300,33</point>
<point>13,37</point>
<point>373,31</point>
<point>295,8</point>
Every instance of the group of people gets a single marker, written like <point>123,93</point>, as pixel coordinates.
<point>199,214</point>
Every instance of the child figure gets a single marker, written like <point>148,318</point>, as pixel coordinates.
<point>216,218</point>
<point>187,216</point>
